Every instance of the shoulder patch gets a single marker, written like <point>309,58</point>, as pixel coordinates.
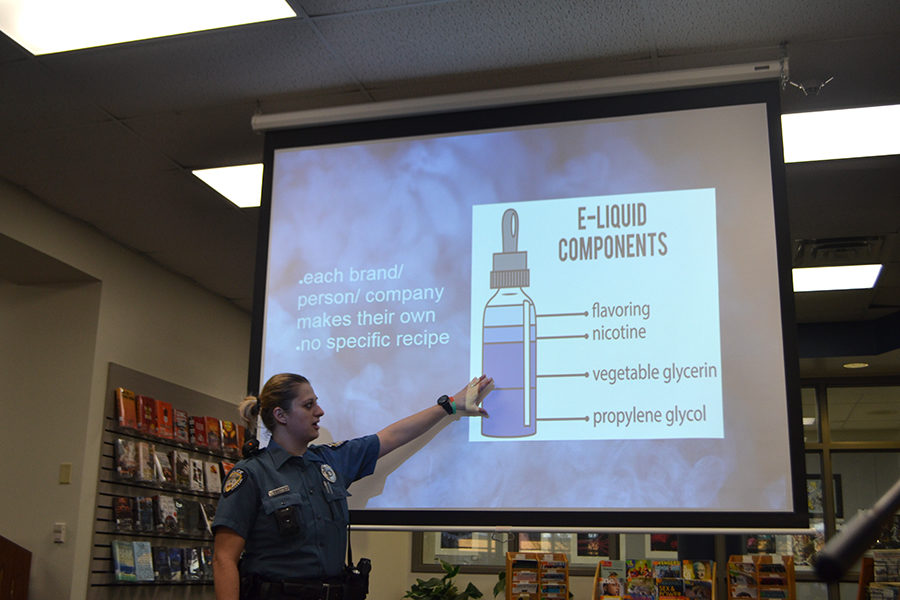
<point>336,444</point>
<point>233,481</point>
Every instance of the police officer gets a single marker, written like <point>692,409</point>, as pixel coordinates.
<point>283,511</point>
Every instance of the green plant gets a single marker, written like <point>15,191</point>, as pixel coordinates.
<point>443,588</point>
<point>500,586</point>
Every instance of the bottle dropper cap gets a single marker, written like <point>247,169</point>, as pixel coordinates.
<point>510,266</point>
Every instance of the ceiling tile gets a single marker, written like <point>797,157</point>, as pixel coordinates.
<point>846,198</point>
<point>693,24</point>
<point>317,8</point>
<point>825,307</point>
<point>215,137</point>
<point>10,50</point>
<point>436,38</point>
<point>55,163</point>
<point>190,208</point>
<point>34,97</point>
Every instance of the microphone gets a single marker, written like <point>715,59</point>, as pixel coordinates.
<point>856,536</point>
<point>250,448</point>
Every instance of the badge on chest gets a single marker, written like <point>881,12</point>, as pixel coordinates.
<point>329,477</point>
<point>328,473</point>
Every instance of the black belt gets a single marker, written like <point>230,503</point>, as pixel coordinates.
<point>306,590</point>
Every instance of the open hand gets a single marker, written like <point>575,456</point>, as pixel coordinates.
<point>469,399</point>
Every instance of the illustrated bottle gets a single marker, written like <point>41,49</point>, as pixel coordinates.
<point>509,341</point>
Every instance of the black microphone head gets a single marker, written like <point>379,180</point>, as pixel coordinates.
<point>828,568</point>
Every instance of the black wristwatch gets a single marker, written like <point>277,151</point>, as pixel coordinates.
<point>447,404</point>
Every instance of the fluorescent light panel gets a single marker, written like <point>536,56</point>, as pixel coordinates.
<point>241,184</point>
<point>46,26</point>
<point>849,133</point>
<point>819,279</point>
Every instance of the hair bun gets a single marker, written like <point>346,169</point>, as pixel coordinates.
<point>249,409</point>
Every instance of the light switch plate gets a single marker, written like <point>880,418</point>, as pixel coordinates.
<point>65,473</point>
<point>59,533</point>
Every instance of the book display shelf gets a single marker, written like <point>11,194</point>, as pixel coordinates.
<point>879,577</point>
<point>165,451</point>
<point>761,577</point>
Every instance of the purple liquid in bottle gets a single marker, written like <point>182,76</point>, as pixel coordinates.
<point>509,342</point>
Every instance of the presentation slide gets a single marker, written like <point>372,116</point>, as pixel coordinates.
<point>617,277</point>
<point>642,329</point>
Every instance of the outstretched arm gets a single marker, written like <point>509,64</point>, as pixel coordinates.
<point>468,402</point>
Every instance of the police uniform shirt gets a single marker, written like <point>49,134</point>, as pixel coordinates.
<point>292,510</point>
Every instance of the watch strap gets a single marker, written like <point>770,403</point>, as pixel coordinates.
<point>446,402</point>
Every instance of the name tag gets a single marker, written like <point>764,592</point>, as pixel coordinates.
<point>278,491</point>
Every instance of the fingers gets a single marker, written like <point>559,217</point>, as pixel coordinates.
<point>480,382</point>
<point>474,394</point>
<point>485,387</point>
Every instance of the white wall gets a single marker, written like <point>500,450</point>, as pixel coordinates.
<point>57,343</point>
<point>48,335</point>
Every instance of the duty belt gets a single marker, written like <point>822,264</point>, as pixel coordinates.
<point>274,590</point>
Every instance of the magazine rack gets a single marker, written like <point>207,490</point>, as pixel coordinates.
<point>610,579</point>
<point>537,576</point>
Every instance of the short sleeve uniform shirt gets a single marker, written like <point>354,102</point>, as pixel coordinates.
<point>292,510</point>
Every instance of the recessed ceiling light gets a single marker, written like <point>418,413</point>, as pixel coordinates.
<point>809,421</point>
<point>848,133</point>
<point>241,184</point>
<point>850,277</point>
<point>45,26</point>
<point>855,365</point>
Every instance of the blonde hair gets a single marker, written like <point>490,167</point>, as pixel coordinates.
<point>249,410</point>
<point>279,391</point>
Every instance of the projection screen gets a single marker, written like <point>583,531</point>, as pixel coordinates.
<point>619,266</point>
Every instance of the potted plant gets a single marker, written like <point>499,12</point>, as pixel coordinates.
<point>443,588</point>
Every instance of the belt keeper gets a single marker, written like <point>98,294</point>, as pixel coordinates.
<point>310,591</point>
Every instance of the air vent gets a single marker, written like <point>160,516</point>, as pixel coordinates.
<point>839,251</point>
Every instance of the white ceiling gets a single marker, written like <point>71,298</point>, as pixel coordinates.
<point>109,135</point>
